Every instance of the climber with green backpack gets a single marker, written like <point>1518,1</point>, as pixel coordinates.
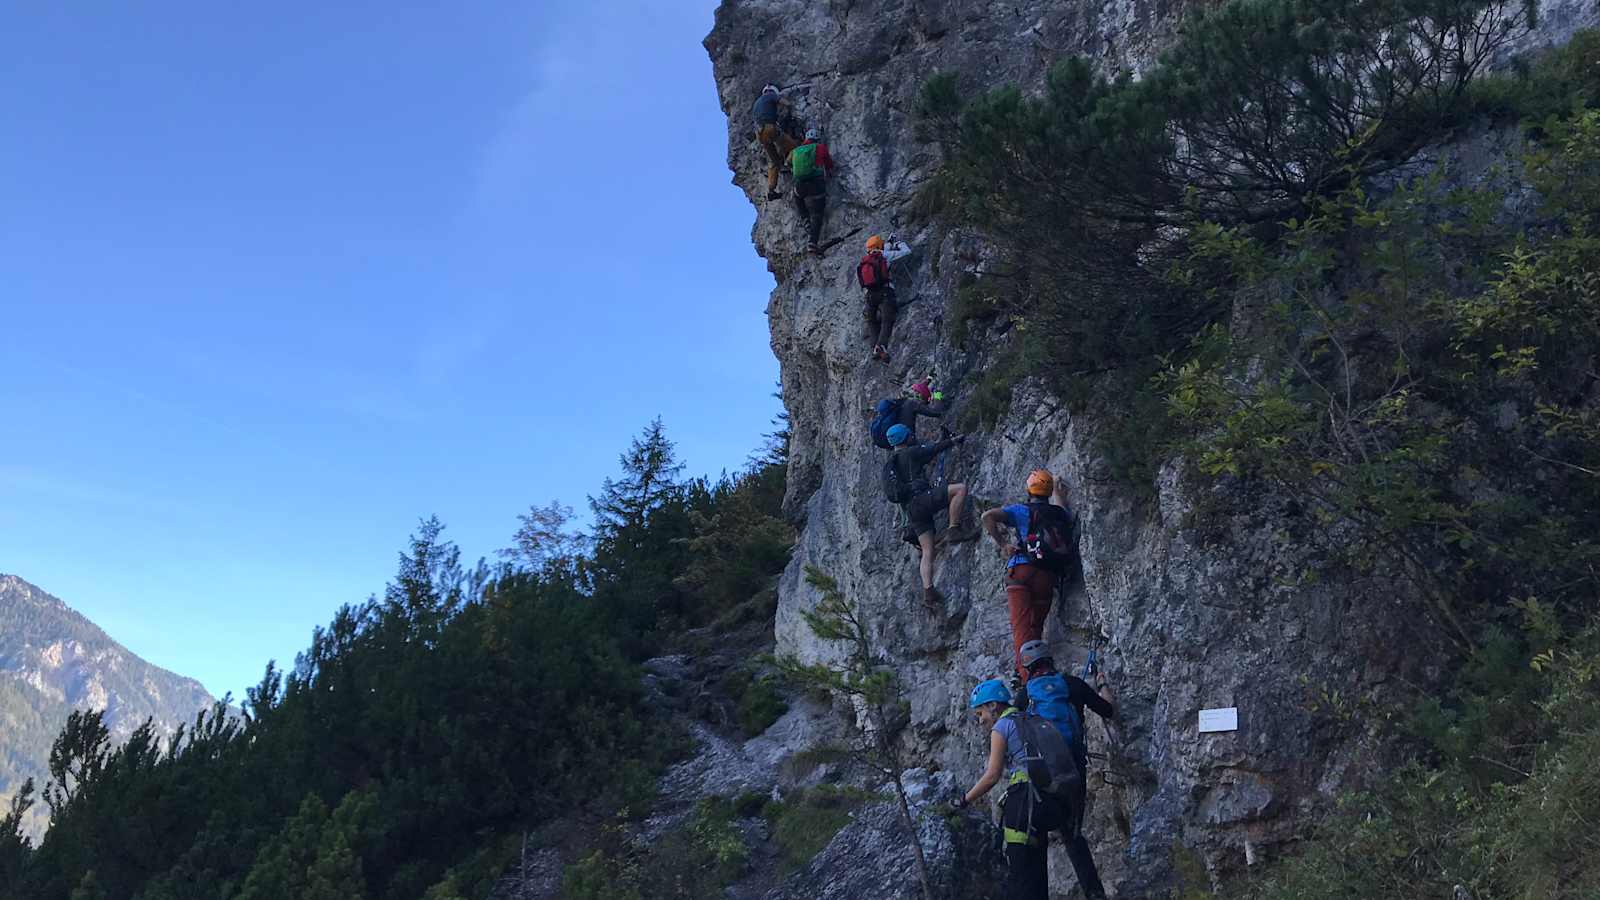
<point>1061,699</point>
<point>1029,753</point>
<point>810,166</point>
<point>906,484</point>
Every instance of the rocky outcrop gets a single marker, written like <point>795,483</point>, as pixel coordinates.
<point>871,857</point>
<point>1184,620</point>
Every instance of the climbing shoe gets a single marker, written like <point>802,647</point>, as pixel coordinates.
<point>880,353</point>
<point>930,597</point>
<point>774,195</point>
<point>957,534</point>
<point>813,249</point>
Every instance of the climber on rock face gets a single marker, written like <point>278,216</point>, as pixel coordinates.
<point>810,166</point>
<point>1040,542</point>
<point>919,400</point>
<point>1027,813</point>
<point>881,307</point>
<point>906,483</point>
<point>1061,699</point>
<point>774,140</point>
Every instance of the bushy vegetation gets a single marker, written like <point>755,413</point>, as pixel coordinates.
<point>805,821</point>
<point>425,728</point>
<point>697,859</point>
<point>1090,192</point>
<point>1243,258</point>
<point>1500,801</point>
<point>1423,382</point>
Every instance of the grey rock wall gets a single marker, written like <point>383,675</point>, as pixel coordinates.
<point>1185,621</point>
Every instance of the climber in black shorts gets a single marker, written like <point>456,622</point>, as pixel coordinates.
<point>910,464</point>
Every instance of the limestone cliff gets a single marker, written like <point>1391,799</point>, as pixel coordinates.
<point>1186,621</point>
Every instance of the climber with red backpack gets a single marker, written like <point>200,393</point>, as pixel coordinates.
<point>1040,542</point>
<point>768,112</point>
<point>872,273</point>
<point>919,400</point>
<point>810,166</point>
<point>906,484</point>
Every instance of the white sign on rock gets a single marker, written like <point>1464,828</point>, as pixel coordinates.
<point>1226,719</point>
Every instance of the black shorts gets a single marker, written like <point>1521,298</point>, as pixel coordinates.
<point>876,296</point>
<point>922,508</point>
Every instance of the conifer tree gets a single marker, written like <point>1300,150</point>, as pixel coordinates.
<point>14,844</point>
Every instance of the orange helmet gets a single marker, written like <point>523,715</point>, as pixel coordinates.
<point>874,243</point>
<point>1041,483</point>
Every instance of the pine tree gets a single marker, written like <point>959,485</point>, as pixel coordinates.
<point>14,844</point>
<point>282,866</point>
<point>640,520</point>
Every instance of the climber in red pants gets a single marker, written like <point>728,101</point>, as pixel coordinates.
<point>1040,542</point>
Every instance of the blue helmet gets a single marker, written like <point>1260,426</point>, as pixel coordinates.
<point>897,435</point>
<point>990,691</point>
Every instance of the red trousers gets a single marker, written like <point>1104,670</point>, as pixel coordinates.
<point>1029,591</point>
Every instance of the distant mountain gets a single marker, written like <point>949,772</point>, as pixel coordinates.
<point>52,661</point>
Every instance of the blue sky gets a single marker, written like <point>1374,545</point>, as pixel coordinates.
<point>279,280</point>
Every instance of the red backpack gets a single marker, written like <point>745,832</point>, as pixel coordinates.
<point>873,271</point>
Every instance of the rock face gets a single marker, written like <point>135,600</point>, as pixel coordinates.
<point>1183,621</point>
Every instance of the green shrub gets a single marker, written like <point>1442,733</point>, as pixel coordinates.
<point>760,704</point>
<point>805,821</point>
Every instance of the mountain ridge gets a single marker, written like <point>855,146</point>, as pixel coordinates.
<point>53,660</point>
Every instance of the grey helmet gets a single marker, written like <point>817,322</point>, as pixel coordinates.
<point>813,133</point>
<point>770,89</point>
<point>1033,651</point>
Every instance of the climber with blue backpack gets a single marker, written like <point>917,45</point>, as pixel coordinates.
<point>882,304</point>
<point>810,167</point>
<point>1043,780</point>
<point>906,484</point>
<point>1061,699</point>
<point>920,399</point>
<point>1039,539</point>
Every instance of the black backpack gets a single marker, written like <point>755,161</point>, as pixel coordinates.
<point>1051,767</point>
<point>1052,541</point>
<point>897,488</point>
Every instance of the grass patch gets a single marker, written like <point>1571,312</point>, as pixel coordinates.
<point>804,822</point>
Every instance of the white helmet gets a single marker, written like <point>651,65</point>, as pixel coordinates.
<point>813,133</point>
<point>770,89</point>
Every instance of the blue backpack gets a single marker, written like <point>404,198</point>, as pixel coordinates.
<point>1048,696</point>
<point>886,414</point>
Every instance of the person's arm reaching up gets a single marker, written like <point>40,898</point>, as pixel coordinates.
<point>1090,697</point>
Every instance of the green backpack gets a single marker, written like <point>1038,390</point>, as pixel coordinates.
<point>803,162</point>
